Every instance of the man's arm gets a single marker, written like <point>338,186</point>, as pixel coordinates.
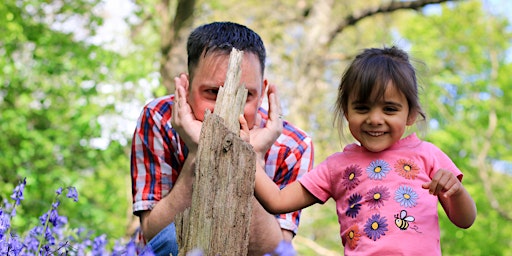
<point>180,196</point>
<point>265,231</point>
<point>178,199</point>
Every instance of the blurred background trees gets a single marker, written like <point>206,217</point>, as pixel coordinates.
<point>72,83</point>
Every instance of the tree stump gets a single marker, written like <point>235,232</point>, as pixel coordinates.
<point>219,217</point>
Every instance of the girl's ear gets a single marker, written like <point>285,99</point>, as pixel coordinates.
<point>411,119</point>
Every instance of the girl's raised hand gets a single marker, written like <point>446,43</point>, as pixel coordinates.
<point>444,183</point>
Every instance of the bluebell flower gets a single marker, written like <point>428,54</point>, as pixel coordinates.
<point>284,248</point>
<point>72,193</point>
<point>98,245</point>
<point>5,223</point>
<point>51,236</point>
<point>17,194</point>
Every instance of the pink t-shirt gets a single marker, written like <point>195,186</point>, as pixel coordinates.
<point>382,208</point>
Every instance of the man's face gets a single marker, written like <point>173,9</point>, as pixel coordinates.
<point>210,74</point>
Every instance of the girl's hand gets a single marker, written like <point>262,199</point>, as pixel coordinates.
<point>444,183</point>
<point>262,138</point>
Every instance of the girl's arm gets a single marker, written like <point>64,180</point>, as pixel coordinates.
<point>455,199</point>
<point>291,198</point>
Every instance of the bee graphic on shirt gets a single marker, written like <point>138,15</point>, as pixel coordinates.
<point>402,220</point>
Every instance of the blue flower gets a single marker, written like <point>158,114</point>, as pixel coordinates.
<point>98,245</point>
<point>378,169</point>
<point>72,193</point>
<point>17,194</point>
<point>406,196</point>
<point>376,227</point>
<point>353,205</point>
<point>5,223</point>
<point>284,248</point>
<point>51,236</point>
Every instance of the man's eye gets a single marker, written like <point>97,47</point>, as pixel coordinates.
<point>212,91</point>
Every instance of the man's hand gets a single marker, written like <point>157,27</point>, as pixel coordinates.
<point>262,138</point>
<point>183,119</point>
<point>444,183</point>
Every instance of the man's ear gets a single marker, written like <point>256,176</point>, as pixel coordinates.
<point>187,84</point>
<point>264,87</point>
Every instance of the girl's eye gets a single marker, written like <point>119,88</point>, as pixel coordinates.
<point>361,108</point>
<point>390,109</point>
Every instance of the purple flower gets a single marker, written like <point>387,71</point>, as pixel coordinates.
<point>51,236</point>
<point>353,205</point>
<point>72,193</point>
<point>375,227</point>
<point>98,245</point>
<point>5,223</point>
<point>284,248</point>
<point>17,194</point>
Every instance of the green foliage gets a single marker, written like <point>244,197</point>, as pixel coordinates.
<point>49,105</point>
<point>54,87</point>
<point>467,83</point>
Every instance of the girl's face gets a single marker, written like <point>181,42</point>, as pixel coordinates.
<point>378,125</point>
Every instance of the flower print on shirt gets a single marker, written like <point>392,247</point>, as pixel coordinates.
<point>406,196</point>
<point>378,169</point>
<point>407,169</point>
<point>353,205</point>
<point>351,176</point>
<point>376,227</point>
<point>376,196</point>
<point>352,236</point>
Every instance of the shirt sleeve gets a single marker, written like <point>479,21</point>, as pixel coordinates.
<point>442,161</point>
<point>294,159</point>
<point>154,149</point>
<point>318,181</point>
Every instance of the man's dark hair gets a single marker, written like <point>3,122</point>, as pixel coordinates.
<point>222,37</point>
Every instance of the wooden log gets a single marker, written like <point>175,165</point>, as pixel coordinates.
<point>219,217</point>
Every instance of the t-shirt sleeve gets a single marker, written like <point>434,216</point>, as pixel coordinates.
<point>318,181</point>
<point>442,161</point>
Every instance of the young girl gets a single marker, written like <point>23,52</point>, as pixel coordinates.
<point>386,187</point>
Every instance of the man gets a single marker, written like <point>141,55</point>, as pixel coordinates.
<point>165,142</point>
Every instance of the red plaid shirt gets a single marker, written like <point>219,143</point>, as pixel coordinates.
<point>158,155</point>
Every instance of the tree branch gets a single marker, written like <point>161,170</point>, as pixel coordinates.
<point>392,6</point>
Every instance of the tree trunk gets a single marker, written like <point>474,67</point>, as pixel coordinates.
<point>219,217</point>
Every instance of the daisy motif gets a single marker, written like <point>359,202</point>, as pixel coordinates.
<point>407,169</point>
<point>352,236</point>
<point>376,196</point>
<point>378,169</point>
<point>406,196</point>
<point>351,176</point>
<point>376,227</point>
<point>353,205</point>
